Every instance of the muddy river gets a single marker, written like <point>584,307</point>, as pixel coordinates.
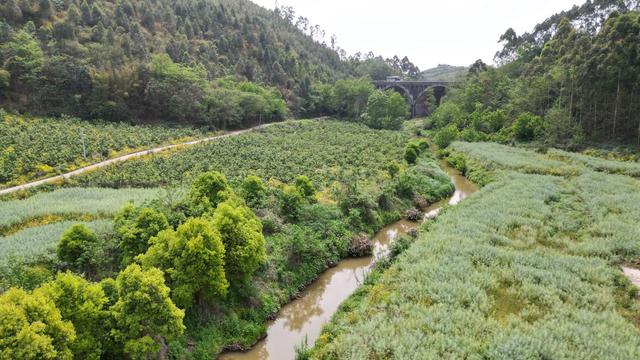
<point>304,318</point>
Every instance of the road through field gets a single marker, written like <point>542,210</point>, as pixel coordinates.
<point>102,164</point>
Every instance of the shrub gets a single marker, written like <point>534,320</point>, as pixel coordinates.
<point>411,154</point>
<point>445,136</point>
<point>305,186</point>
<point>360,245</point>
<point>77,247</point>
<point>527,127</point>
<point>291,201</point>
<point>254,191</point>
<point>208,190</point>
<point>244,244</point>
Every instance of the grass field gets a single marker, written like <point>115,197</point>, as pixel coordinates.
<point>68,204</point>
<point>33,147</point>
<point>527,268</point>
<point>38,244</point>
<point>324,150</point>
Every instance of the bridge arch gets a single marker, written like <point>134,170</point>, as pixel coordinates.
<point>403,90</point>
<point>425,106</point>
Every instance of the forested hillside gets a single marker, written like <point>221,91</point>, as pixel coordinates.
<point>574,78</point>
<point>197,61</point>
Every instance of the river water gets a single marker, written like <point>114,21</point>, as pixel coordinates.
<point>304,318</point>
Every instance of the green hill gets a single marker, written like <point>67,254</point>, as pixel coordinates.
<point>92,58</point>
<point>444,73</point>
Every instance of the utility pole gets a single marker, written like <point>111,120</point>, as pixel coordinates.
<point>84,148</point>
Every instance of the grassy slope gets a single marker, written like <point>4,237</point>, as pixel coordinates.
<point>524,269</point>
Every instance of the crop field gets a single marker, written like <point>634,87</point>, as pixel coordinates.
<point>527,268</point>
<point>38,244</point>
<point>631,168</point>
<point>495,156</point>
<point>31,148</point>
<point>325,151</point>
<point>71,202</point>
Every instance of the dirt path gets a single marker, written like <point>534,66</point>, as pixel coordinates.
<point>125,158</point>
<point>633,275</point>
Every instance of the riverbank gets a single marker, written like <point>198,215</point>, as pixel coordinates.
<point>527,268</point>
<point>301,321</point>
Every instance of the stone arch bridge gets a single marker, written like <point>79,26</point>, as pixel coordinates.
<point>416,92</point>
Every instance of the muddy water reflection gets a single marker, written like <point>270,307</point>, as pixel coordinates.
<point>304,318</point>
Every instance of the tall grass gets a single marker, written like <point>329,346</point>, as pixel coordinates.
<point>493,156</point>
<point>630,168</point>
<point>525,269</point>
<point>71,201</point>
<point>38,244</point>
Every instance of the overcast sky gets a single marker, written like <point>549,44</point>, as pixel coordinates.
<point>430,32</point>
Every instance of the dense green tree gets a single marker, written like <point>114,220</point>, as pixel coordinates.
<point>193,261</point>
<point>209,190</point>
<point>242,237</point>
<point>77,247</point>
<point>31,327</point>
<point>135,227</point>
<point>291,201</point>
<point>145,317</point>
<point>23,58</point>
<point>84,305</point>
<point>254,191</point>
<point>386,110</point>
<point>527,127</point>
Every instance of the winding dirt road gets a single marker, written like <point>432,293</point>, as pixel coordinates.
<point>127,157</point>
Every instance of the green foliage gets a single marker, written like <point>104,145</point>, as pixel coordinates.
<point>38,244</point>
<point>144,314</point>
<point>84,305</point>
<point>326,151</point>
<point>527,127</point>
<point>513,272</point>
<point>70,203</point>
<point>35,147</point>
<point>23,58</point>
<point>254,191</point>
<point>386,110</point>
<point>209,190</point>
<point>31,327</point>
<point>291,201</point>
<point>445,136</point>
<point>135,227</point>
<point>305,186</point>
<point>561,129</point>
<point>411,154</point>
<point>244,244</point>
<point>155,58</point>
<point>77,247</point>
<point>193,259</point>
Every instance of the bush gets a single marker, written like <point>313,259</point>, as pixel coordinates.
<point>360,245</point>
<point>305,186</point>
<point>527,127</point>
<point>291,201</point>
<point>445,136</point>
<point>411,154</point>
<point>77,247</point>
<point>254,191</point>
<point>208,191</point>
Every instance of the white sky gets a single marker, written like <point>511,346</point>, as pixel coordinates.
<point>430,32</point>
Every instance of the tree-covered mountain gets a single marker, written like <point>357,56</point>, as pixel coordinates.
<point>95,58</point>
<point>576,77</point>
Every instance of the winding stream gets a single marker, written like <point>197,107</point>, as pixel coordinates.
<point>305,317</point>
